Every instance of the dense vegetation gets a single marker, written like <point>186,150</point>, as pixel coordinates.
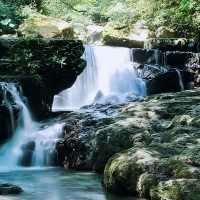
<point>180,15</point>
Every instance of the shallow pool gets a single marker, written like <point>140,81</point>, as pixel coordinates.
<point>56,184</point>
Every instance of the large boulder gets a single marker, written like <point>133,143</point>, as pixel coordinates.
<point>46,27</point>
<point>123,170</point>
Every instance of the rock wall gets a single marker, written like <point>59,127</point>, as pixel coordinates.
<point>43,67</point>
<point>160,69</point>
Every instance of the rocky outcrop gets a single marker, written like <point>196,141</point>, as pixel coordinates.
<point>46,27</point>
<point>142,147</point>
<point>163,160</point>
<point>170,81</point>
<point>43,67</point>
<point>164,70</point>
<point>111,40</point>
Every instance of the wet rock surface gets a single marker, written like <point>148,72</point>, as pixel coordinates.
<point>10,189</point>
<point>141,146</point>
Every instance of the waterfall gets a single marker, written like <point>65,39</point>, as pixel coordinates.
<point>10,152</point>
<point>180,79</point>
<point>26,131</point>
<point>108,77</point>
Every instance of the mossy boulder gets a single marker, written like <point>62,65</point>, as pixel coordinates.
<point>123,170</point>
<point>145,182</point>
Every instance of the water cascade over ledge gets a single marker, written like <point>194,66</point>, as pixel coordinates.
<point>108,78</point>
<point>26,132</point>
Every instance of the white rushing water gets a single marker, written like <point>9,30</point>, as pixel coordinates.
<point>108,78</point>
<point>27,130</point>
<point>180,79</point>
<point>10,152</point>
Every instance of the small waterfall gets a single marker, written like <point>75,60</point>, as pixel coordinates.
<point>180,79</point>
<point>10,152</point>
<point>26,131</point>
<point>45,145</point>
<point>108,77</point>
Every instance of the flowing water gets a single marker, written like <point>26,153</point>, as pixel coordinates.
<point>27,131</point>
<point>56,184</point>
<point>108,78</point>
<point>10,152</point>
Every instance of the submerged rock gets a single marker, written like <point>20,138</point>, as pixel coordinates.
<point>8,189</point>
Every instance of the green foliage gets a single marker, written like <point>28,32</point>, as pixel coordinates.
<point>9,18</point>
<point>180,15</point>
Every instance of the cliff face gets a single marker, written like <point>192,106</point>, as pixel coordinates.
<point>42,67</point>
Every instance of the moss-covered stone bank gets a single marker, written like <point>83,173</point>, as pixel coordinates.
<point>43,67</point>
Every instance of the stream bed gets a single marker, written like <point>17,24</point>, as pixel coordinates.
<point>56,184</point>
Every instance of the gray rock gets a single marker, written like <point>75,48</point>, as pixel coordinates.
<point>7,189</point>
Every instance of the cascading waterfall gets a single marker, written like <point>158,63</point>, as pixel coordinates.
<point>26,131</point>
<point>10,152</point>
<point>108,78</point>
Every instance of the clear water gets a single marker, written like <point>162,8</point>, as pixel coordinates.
<point>56,184</point>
